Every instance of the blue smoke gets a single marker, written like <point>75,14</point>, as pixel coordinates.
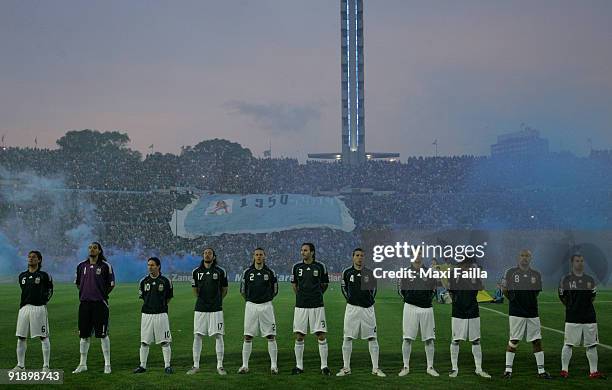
<point>132,265</point>
<point>9,259</point>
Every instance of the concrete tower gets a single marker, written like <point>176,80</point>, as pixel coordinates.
<point>353,125</point>
<point>352,86</point>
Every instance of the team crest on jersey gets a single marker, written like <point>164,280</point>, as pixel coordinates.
<point>215,276</point>
<point>98,271</point>
<point>266,277</point>
<point>37,280</point>
<point>315,272</point>
<point>533,280</point>
<point>161,287</point>
<point>588,284</point>
<point>366,278</point>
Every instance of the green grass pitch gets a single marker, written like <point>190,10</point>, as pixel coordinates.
<point>125,333</point>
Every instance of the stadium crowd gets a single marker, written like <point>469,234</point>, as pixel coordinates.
<point>128,202</point>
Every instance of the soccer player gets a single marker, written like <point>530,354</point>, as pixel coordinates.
<point>577,291</point>
<point>521,285</point>
<point>95,280</point>
<point>309,280</point>
<point>259,286</point>
<point>418,313</point>
<point>465,321</point>
<point>36,291</point>
<point>209,283</point>
<point>359,314</point>
<point>156,291</point>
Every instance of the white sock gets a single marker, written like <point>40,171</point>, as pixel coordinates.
<point>273,352</point>
<point>197,349</point>
<point>406,349</point>
<point>167,352</point>
<point>566,356</point>
<point>219,349</point>
<point>105,342</point>
<point>323,352</point>
<point>299,354</point>
<point>347,349</point>
<point>454,354</point>
<point>539,356</point>
<point>83,349</point>
<point>374,350</point>
<point>247,347</point>
<point>429,353</point>
<point>22,345</point>
<point>509,361</point>
<point>591,353</point>
<point>477,352</point>
<point>144,354</point>
<point>46,351</point>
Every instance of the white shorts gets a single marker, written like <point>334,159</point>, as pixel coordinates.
<point>577,334</point>
<point>415,317</point>
<point>525,327</point>
<point>208,323</point>
<point>359,319</point>
<point>466,328</point>
<point>259,319</point>
<point>32,319</point>
<point>303,317</point>
<point>155,328</point>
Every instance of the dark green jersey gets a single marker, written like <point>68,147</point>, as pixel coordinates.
<point>577,294</point>
<point>155,292</point>
<point>209,282</point>
<point>309,278</point>
<point>36,288</point>
<point>464,292</point>
<point>352,288</point>
<point>258,285</point>
<point>417,291</point>
<point>523,289</point>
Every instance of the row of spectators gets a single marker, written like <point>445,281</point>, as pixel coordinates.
<point>128,220</point>
<point>127,203</point>
<point>123,171</point>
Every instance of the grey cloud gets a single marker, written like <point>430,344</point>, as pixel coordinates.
<point>276,117</point>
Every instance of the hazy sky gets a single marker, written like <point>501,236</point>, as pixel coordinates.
<point>173,73</point>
